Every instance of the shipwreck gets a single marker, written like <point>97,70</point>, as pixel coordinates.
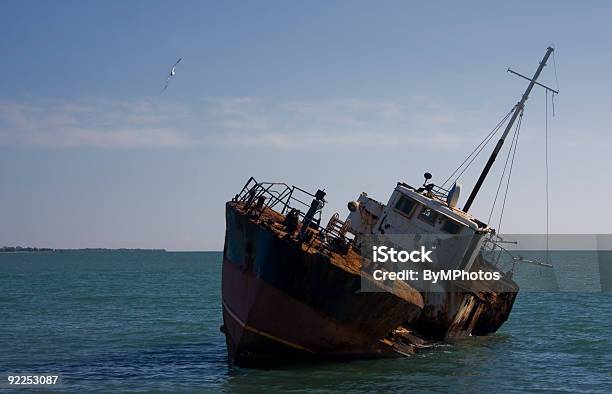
<point>293,287</point>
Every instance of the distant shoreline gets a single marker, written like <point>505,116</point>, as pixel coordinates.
<point>20,249</point>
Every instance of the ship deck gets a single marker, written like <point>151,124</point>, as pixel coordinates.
<point>351,261</point>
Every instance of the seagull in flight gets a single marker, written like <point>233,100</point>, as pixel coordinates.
<point>172,73</point>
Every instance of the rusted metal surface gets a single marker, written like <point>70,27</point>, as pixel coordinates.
<point>458,313</point>
<point>278,289</point>
<point>290,293</point>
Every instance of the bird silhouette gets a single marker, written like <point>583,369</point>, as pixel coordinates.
<point>172,73</point>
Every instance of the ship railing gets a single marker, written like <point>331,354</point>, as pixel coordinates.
<point>504,260</point>
<point>284,198</point>
<point>437,191</point>
<point>278,196</point>
<point>497,255</point>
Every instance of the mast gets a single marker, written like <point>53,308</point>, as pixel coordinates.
<point>517,110</point>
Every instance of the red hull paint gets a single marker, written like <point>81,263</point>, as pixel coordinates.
<point>264,324</point>
<point>281,303</point>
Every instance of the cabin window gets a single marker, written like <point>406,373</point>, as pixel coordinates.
<point>451,227</point>
<point>428,215</point>
<point>405,205</point>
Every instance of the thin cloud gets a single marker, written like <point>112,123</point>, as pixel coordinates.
<point>87,123</point>
<point>238,122</point>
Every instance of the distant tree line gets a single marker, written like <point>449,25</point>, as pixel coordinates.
<point>31,249</point>
<point>24,249</point>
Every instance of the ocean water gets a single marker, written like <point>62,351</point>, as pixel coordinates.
<point>149,321</point>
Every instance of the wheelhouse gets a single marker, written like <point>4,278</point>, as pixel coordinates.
<point>412,212</point>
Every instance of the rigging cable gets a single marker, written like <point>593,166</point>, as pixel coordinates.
<point>478,148</point>
<point>555,66</point>
<point>515,142</point>
<point>552,99</point>
<point>546,163</point>
<point>501,178</point>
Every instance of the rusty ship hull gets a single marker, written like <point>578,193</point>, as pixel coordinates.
<point>459,312</point>
<point>289,299</point>
<point>282,301</point>
<point>293,289</point>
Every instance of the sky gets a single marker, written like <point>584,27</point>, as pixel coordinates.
<point>347,96</point>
